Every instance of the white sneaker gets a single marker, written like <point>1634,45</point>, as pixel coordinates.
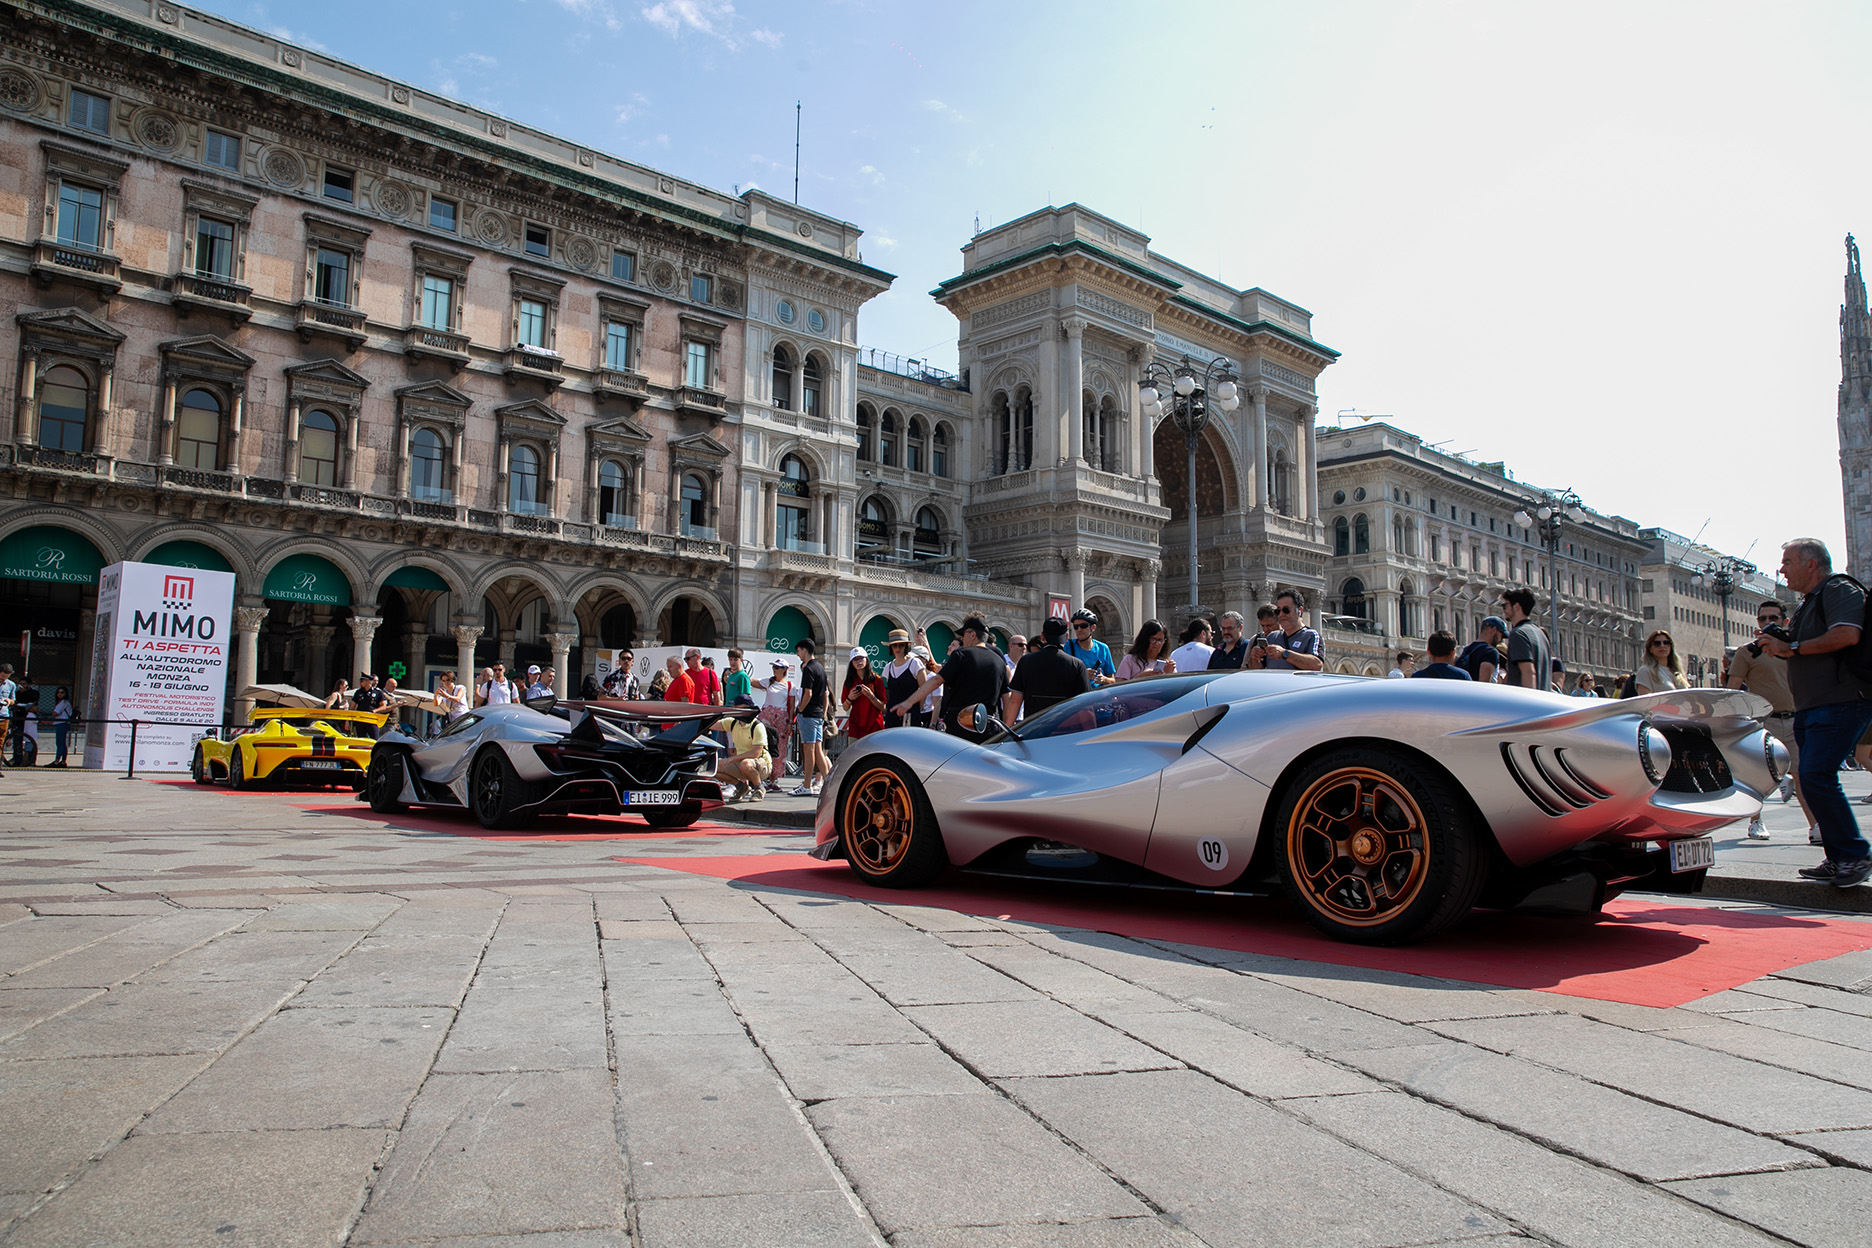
<point>1813,835</point>
<point>1755,830</point>
<point>805,790</point>
<point>1866,800</point>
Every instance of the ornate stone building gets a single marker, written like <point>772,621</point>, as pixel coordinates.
<point>1060,310</point>
<point>1422,540</point>
<point>1855,418</point>
<point>437,387</point>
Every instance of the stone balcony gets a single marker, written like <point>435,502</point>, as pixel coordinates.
<point>54,261</point>
<point>318,319</point>
<point>537,364</point>
<point>422,342</point>
<point>700,402</point>
<point>617,383</point>
<point>204,292</point>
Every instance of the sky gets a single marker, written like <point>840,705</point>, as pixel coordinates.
<point>1602,242</point>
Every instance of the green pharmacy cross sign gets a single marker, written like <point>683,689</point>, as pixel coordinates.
<point>398,670</point>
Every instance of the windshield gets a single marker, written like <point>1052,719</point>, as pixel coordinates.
<point>1113,704</point>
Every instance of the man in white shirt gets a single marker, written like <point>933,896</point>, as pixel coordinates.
<point>1193,654</point>
<point>499,690</point>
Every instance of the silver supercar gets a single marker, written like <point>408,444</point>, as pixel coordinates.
<point>508,764</point>
<point>1386,809</point>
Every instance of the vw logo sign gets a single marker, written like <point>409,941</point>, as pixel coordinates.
<point>49,557</point>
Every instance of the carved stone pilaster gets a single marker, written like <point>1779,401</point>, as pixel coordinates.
<point>363,630</point>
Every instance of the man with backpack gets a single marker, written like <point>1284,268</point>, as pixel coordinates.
<point>1830,675</point>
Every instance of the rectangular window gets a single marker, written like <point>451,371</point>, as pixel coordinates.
<point>538,240</point>
<point>617,346</point>
<point>532,323</point>
<point>438,302</point>
<point>332,278</point>
<point>221,150</point>
<point>442,214</point>
<point>81,217</point>
<point>214,247</point>
<point>90,112</point>
<point>339,184</point>
<point>696,366</point>
<point>702,289</point>
<point>623,266</point>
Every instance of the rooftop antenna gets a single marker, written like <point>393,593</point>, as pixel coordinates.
<point>978,223</point>
<point>796,126</point>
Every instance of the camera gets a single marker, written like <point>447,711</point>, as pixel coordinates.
<point>1775,631</point>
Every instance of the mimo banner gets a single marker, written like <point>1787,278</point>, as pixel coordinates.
<point>160,653</point>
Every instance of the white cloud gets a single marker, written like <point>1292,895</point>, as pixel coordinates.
<point>770,38</point>
<point>633,108</point>
<point>952,113</point>
<point>715,19</point>
<point>593,10</point>
<point>296,37</point>
<point>871,174</point>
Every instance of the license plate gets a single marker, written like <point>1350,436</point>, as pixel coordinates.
<point>319,764</point>
<point>1692,855</point>
<point>653,797</point>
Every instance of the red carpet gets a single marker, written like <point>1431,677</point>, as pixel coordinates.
<point>1639,952</point>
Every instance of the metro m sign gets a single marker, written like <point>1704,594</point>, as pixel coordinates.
<point>1058,608</point>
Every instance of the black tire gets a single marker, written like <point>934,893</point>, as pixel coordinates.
<point>198,768</point>
<point>1360,817</point>
<point>383,782</point>
<point>890,833</point>
<point>496,791</point>
<point>671,816</point>
<point>237,772</point>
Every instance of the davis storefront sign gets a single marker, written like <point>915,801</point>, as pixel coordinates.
<point>160,652</point>
<point>45,553</point>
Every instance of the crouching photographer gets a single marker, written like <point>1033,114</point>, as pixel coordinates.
<point>1832,699</point>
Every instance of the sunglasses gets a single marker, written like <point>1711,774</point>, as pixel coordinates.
<point>1665,644</point>
<point>1287,611</point>
<point>1078,626</point>
<point>1768,619</point>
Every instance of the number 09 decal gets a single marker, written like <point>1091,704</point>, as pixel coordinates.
<point>1214,853</point>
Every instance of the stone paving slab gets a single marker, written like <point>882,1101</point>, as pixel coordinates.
<point>795,1219</point>
<point>139,1018</point>
<point>397,970</point>
<point>1715,1085</point>
<point>266,1189</point>
<point>1140,1232</point>
<point>1012,1039</point>
<point>1238,1058</point>
<point>1561,1199</point>
<point>136,947</point>
<point>927,1162</point>
<point>1820,1208</point>
<point>307,1070</point>
<point>823,1072</point>
<point>501,1155</point>
<point>551,1026</point>
<point>56,1113</point>
<point>1588,1120</point>
<point>1853,1148</point>
<point>21,1008</point>
<point>270,956</point>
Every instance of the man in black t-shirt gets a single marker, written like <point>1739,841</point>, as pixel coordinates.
<point>368,698</point>
<point>810,719</point>
<point>974,674</point>
<point>1530,656</point>
<point>1045,678</point>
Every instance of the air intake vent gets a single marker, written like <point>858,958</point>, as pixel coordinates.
<point>1697,765</point>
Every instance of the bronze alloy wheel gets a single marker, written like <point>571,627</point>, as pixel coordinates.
<point>878,820</point>
<point>1358,846</point>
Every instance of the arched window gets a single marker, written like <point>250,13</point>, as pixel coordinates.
<point>939,451</point>
<point>916,448</point>
<point>1409,619</point>
<point>64,407</point>
<point>613,496</point>
<point>1352,599</point>
<point>814,386</point>
<point>428,467</point>
<point>198,432</point>
<point>783,378</point>
<point>1341,537</point>
<point>1023,430</point>
<point>523,480</point>
<point>867,433</point>
<point>1397,535</point>
<point>1001,414</point>
<point>928,539</point>
<point>1089,426</point>
<point>874,529</point>
<point>1361,535</point>
<point>318,448</point>
<point>793,512</point>
<point>693,520</point>
<point>1110,457</point>
<point>1280,480</point>
<point>887,440</point>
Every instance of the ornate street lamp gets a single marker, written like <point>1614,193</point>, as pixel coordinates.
<point>1720,575</point>
<point>1551,518</point>
<point>1187,395</point>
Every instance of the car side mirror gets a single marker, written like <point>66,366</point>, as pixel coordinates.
<point>978,718</point>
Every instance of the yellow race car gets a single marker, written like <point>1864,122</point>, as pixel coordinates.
<point>291,745</point>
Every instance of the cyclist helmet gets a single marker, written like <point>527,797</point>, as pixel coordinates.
<point>1090,617</point>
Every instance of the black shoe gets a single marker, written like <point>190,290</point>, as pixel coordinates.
<point>1848,874</point>
<point>1825,871</point>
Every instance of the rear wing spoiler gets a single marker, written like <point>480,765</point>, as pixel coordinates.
<point>1673,706</point>
<point>646,712</point>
